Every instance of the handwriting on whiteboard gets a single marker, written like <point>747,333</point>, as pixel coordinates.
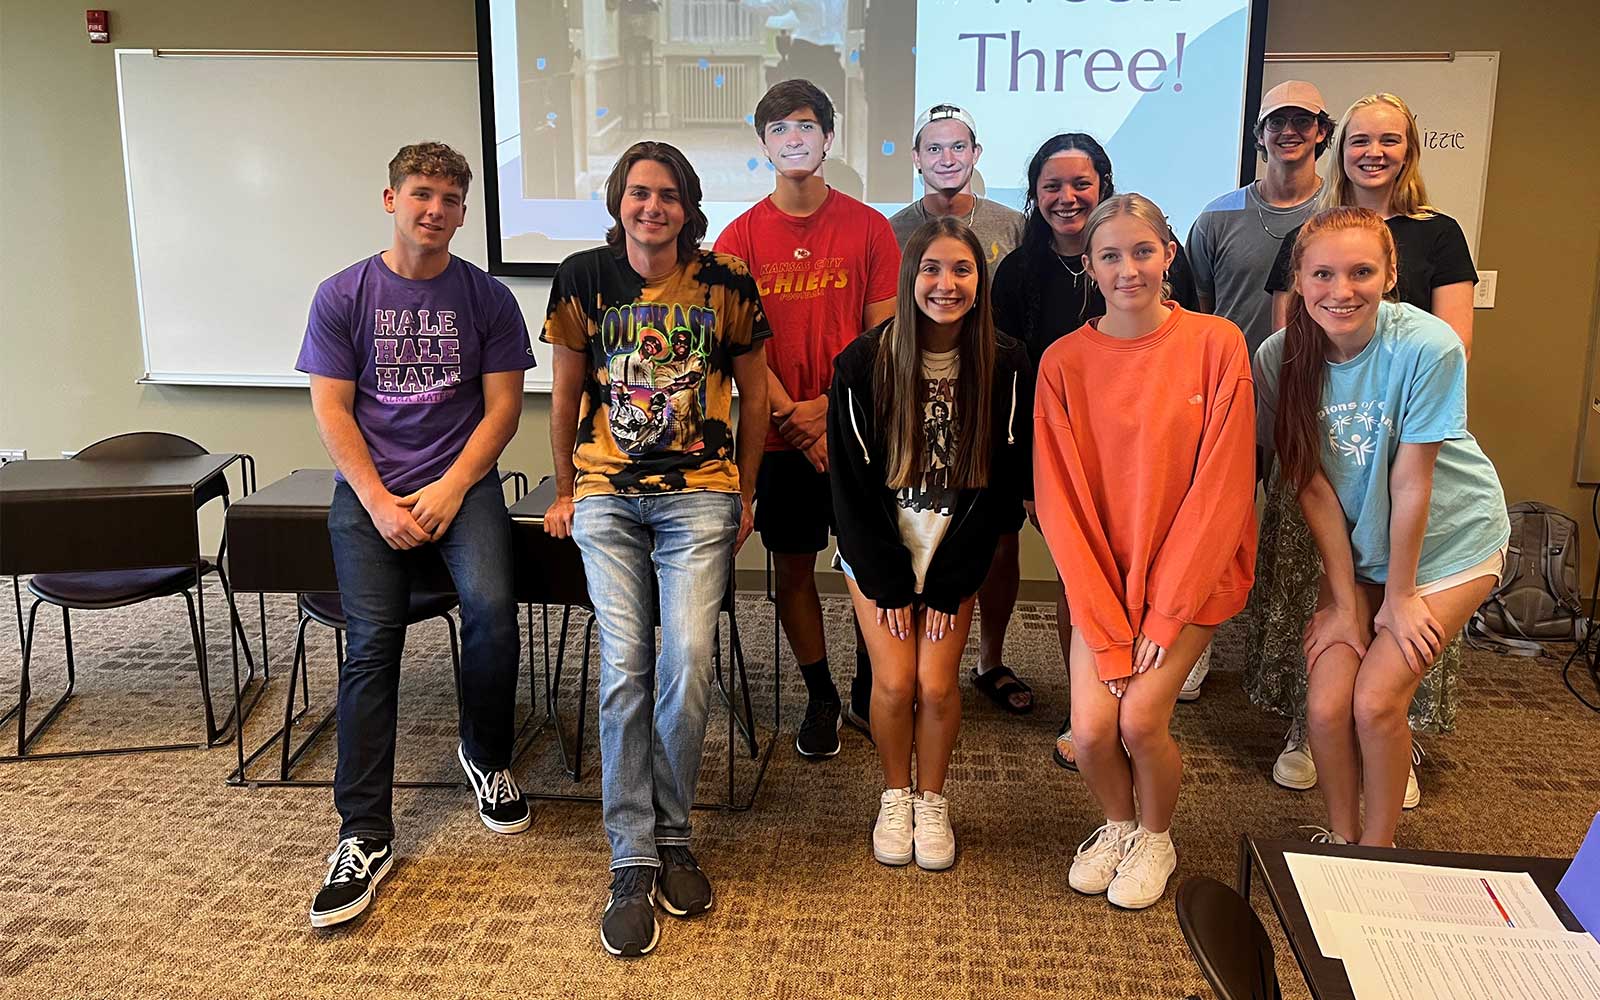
<point>1445,138</point>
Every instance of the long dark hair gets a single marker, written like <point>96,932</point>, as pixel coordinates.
<point>1305,349</point>
<point>683,175</point>
<point>897,372</point>
<point>1036,233</point>
<point>1037,252</point>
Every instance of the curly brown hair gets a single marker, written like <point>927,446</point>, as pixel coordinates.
<point>431,159</point>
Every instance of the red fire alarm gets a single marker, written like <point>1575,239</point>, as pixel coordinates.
<point>99,25</point>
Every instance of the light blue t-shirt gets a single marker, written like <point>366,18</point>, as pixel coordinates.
<point>1408,386</point>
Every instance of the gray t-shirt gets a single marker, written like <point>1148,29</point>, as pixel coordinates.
<point>999,228</point>
<point>1231,249</point>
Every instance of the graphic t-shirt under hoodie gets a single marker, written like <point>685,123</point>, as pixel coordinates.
<point>1144,476</point>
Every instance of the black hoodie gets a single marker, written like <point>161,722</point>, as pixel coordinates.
<point>864,508</point>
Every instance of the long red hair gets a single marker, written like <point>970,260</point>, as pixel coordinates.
<point>1305,348</point>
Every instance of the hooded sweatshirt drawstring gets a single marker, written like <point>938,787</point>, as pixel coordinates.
<point>1011,419</point>
<point>851,399</point>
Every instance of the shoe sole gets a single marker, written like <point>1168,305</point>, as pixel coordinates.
<point>1297,786</point>
<point>352,910</point>
<point>673,909</point>
<point>1187,695</point>
<point>631,952</point>
<point>838,724</point>
<point>1136,904</point>
<point>934,864</point>
<point>1410,803</point>
<point>498,827</point>
<point>893,860</point>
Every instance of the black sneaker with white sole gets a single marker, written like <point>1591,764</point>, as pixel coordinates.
<point>355,868</point>
<point>819,730</point>
<point>628,925</point>
<point>683,888</point>
<point>500,803</point>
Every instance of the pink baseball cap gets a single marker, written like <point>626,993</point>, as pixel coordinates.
<point>1291,94</point>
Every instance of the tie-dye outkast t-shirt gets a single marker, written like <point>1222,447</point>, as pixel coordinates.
<point>417,352</point>
<point>654,417</point>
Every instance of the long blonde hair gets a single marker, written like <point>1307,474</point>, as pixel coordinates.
<point>897,374</point>
<point>1409,196</point>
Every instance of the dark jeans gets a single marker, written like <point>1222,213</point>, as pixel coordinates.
<point>375,587</point>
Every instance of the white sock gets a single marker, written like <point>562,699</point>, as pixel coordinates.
<point>1164,838</point>
<point>1122,827</point>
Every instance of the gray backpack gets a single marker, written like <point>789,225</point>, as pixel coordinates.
<point>1538,595</point>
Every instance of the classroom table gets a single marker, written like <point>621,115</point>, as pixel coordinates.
<point>278,543</point>
<point>1326,976</point>
<point>80,515</point>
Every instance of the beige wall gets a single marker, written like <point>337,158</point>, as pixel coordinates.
<point>69,323</point>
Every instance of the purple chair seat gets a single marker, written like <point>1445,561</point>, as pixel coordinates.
<point>329,610</point>
<point>112,588</point>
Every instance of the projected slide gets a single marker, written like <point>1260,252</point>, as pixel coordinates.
<point>570,84</point>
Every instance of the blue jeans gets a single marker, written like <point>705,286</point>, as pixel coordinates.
<point>653,709</point>
<point>375,588</point>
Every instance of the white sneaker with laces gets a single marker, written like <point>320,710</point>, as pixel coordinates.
<point>1294,767</point>
<point>1142,876</point>
<point>1413,790</point>
<point>1096,862</point>
<point>933,841</point>
<point>892,833</point>
<point>1197,676</point>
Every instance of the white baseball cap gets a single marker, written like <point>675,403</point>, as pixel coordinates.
<point>939,112</point>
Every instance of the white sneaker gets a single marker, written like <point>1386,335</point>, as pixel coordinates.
<point>1294,768</point>
<point>1197,676</point>
<point>933,842</point>
<point>1096,861</point>
<point>1413,790</point>
<point>891,834</point>
<point>1142,876</point>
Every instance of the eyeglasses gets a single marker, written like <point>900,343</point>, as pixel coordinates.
<point>1300,123</point>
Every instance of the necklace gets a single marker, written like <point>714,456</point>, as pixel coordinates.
<point>970,215</point>
<point>1261,218</point>
<point>1075,274</point>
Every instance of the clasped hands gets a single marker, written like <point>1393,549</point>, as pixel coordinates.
<point>805,426</point>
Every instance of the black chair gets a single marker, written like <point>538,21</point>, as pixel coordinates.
<point>327,609</point>
<point>1227,941</point>
<point>97,591</point>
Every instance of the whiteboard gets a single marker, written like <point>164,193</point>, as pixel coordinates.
<point>1454,104</point>
<point>251,178</point>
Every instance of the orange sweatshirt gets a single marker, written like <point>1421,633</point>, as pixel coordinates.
<point>1144,477</point>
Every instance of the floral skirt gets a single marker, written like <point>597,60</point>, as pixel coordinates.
<point>1282,601</point>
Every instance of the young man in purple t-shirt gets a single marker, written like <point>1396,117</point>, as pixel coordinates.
<point>416,360</point>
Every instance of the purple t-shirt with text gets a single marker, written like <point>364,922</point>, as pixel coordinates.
<point>417,351</point>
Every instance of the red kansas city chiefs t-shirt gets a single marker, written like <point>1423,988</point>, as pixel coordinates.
<point>815,275</point>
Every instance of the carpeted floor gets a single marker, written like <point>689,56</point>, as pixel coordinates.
<point>148,876</point>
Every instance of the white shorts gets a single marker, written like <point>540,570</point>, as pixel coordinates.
<point>1494,566</point>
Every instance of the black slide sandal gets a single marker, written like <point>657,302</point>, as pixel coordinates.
<point>999,684</point>
<point>1055,751</point>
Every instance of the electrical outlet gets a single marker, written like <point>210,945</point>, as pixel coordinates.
<point>13,455</point>
<point>1483,291</point>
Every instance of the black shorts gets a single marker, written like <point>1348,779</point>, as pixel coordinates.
<point>1013,518</point>
<point>794,504</point>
